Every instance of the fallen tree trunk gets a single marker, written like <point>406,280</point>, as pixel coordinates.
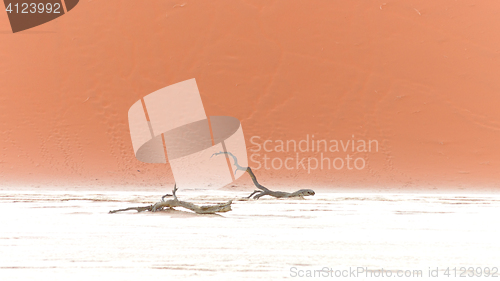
<point>221,207</point>
<point>262,189</point>
<point>277,194</point>
<point>207,209</point>
<point>138,209</point>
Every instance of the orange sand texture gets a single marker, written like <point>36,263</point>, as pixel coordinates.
<point>420,77</point>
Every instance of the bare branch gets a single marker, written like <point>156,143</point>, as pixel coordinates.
<point>264,190</point>
<point>238,167</point>
<point>138,209</point>
<point>207,209</point>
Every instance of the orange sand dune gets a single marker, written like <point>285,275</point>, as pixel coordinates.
<point>419,77</point>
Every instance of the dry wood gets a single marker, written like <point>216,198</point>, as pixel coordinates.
<point>221,207</point>
<point>262,189</point>
<point>207,209</point>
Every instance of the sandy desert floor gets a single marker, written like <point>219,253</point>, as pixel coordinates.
<point>62,235</point>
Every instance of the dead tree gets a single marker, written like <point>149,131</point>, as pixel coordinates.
<point>210,209</point>
<point>262,189</point>
<point>221,207</point>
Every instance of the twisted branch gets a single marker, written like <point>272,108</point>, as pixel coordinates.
<point>160,206</point>
<point>262,189</point>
